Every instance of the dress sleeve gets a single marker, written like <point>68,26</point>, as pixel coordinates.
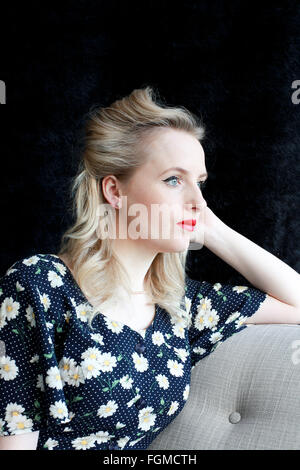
<point>31,392</point>
<point>217,312</point>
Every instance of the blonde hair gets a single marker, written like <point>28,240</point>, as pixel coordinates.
<point>114,144</point>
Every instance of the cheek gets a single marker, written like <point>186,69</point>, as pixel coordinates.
<point>152,197</point>
<point>146,194</point>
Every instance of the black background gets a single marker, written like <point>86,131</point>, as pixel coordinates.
<point>231,62</point>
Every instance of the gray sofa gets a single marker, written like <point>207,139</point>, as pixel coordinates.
<point>244,395</point>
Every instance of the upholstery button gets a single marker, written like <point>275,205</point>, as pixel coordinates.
<point>140,348</point>
<point>234,417</point>
<point>140,403</point>
<point>113,445</point>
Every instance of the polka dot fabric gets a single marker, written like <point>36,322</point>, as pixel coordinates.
<point>109,387</point>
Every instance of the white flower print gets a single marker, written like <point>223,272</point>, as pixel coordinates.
<point>217,286</point>
<point>126,381</point>
<point>188,304</point>
<point>199,350</point>
<point>102,436</point>
<point>215,337</point>
<point>3,321</point>
<point>175,368</point>
<point>179,329</point>
<point>49,325</point>
<point>8,368</point>
<point>140,362</point>
<point>75,376</point>
<point>2,432</point>
<point>239,289</point>
<point>186,392</point>
<point>132,443</point>
<point>53,379</point>
<point>9,308</point>
<point>67,316</point>
<point>20,424</point>
<point>173,407</point>
<point>82,443</point>
<point>83,311</point>
<point>146,418</point>
<point>240,321</point>
<point>199,321</point>
<point>120,425</point>
<point>90,368</point>
<point>181,353</point>
<point>54,279</point>
<point>204,305</point>
<point>61,268</point>
<point>44,299</point>
<point>71,416</point>
<point>123,441</point>
<point>30,261</point>
<point>19,288</point>
<point>107,362</point>
<point>59,410</point>
<point>65,365</point>
<point>157,338</point>
<point>113,325</point>
<point>92,353</point>
<point>50,443</point>
<point>34,359</point>
<point>107,410</point>
<point>40,382</point>
<point>211,319</point>
<point>13,410</point>
<point>30,315</point>
<point>73,301</point>
<point>98,338</point>
<point>232,317</point>
<point>68,429</point>
<point>163,381</point>
<point>134,399</point>
<point>10,271</point>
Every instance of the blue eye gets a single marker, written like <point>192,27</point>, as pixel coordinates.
<point>201,183</point>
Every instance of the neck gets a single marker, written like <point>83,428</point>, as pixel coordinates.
<point>136,260</point>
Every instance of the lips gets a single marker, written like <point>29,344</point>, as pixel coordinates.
<point>187,224</point>
<point>191,222</point>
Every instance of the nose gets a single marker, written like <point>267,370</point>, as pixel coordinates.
<point>195,202</point>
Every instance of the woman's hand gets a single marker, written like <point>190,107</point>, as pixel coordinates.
<point>208,224</point>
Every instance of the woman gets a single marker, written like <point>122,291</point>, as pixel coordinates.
<point>100,339</point>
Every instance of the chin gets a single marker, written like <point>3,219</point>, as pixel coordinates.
<point>173,246</point>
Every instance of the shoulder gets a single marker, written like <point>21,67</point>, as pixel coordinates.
<point>35,268</point>
<point>35,285</point>
<point>38,280</point>
<point>223,298</point>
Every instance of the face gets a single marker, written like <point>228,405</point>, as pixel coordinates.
<point>157,184</point>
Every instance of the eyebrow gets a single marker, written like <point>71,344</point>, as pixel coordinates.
<point>182,170</point>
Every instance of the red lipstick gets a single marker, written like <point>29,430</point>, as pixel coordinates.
<point>188,224</point>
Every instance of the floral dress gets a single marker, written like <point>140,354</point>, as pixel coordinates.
<point>109,387</point>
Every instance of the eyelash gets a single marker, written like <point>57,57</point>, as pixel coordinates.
<point>202,183</point>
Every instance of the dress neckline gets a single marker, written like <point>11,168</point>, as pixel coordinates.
<point>102,315</point>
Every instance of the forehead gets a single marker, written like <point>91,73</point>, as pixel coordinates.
<point>168,148</point>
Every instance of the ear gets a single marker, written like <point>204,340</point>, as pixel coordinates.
<point>111,189</point>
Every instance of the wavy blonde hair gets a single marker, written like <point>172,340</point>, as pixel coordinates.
<point>114,144</point>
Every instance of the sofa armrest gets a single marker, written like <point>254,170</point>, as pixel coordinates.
<point>244,395</point>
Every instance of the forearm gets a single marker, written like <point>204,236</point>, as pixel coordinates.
<point>261,268</point>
